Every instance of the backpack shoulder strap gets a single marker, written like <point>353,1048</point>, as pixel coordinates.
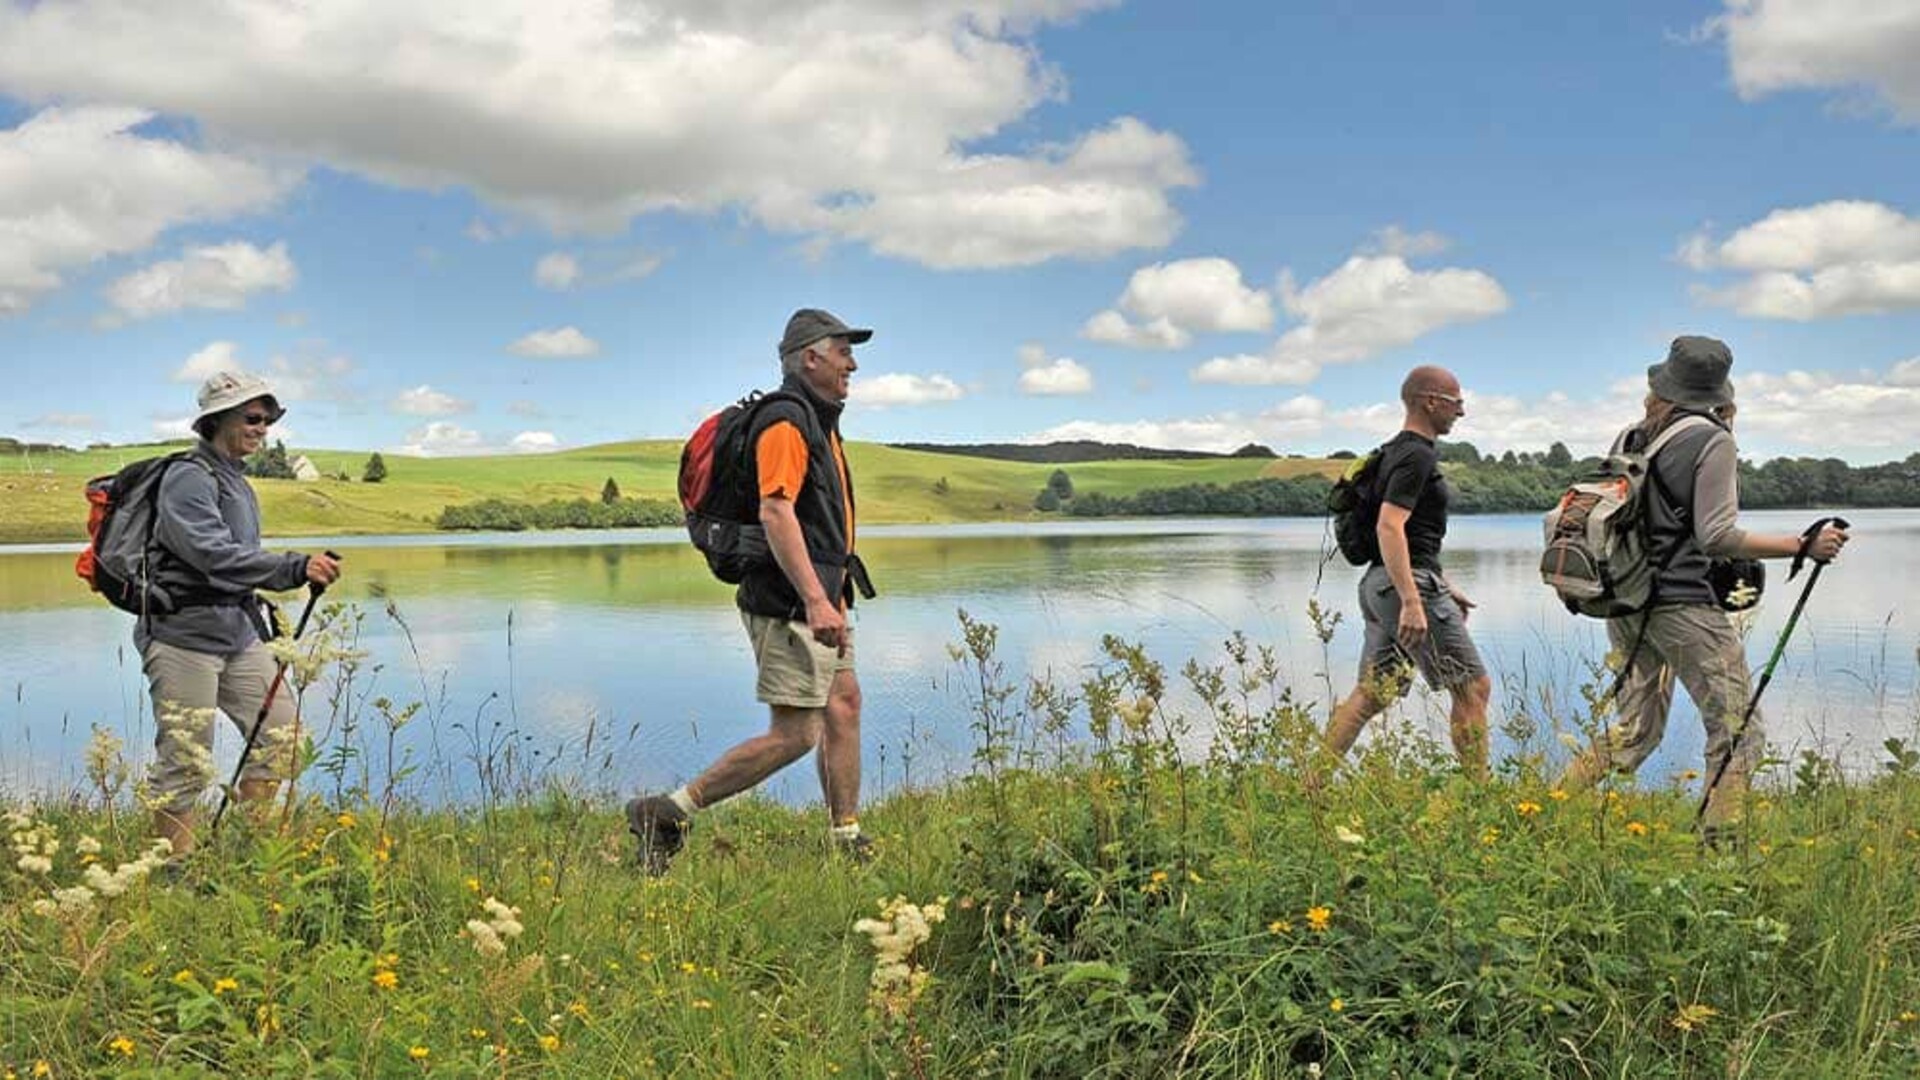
<point>1673,430</point>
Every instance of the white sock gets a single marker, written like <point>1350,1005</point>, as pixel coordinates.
<point>682,799</point>
<point>849,831</point>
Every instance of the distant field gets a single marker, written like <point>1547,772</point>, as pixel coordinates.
<point>41,500</point>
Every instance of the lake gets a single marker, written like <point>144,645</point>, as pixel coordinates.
<point>614,658</point>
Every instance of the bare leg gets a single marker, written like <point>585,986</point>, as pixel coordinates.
<point>1467,724</point>
<point>839,756</point>
<point>1343,730</point>
<point>791,733</point>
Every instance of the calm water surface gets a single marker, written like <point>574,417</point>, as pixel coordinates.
<point>535,642</point>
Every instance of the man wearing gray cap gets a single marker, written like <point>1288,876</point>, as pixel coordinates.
<point>204,652</point>
<point>1692,519</point>
<point>794,607</point>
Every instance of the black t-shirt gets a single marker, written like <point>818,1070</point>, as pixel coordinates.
<point>1410,479</point>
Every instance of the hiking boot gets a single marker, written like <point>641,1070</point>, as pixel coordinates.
<point>660,827</point>
<point>857,849</point>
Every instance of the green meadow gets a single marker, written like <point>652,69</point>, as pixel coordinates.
<point>1119,888</point>
<point>41,496</point>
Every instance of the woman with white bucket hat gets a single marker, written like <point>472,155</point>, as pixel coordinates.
<point>207,653</point>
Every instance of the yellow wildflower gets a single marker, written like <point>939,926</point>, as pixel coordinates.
<point>346,820</point>
<point>578,1008</point>
<point>419,1053</point>
<point>550,1042</point>
<point>1636,829</point>
<point>183,976</point>
<point>43,1067</point>
<point>1557,795</point>
<point>1526,809</point>
<point>1693,1017</point>
<point>477,1033</point>
<point>120,1045</point>
<point>1490,835</point>
<point>473,885</point>
<point>223,984</point>
<point>1279,926</point>
<point>688,967</point>
<point>1909,1016</point>
<point>1319,917</point>
<point>702,1003</point>
<point>385,979</point>
<point>1336,1005</point>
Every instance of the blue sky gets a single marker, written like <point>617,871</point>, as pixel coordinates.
<point>492,226</point>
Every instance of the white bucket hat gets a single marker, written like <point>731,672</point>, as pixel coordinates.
<point>224,390</point>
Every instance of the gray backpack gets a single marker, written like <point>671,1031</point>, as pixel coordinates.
<point>1597,558</point>
<point>119,558</point>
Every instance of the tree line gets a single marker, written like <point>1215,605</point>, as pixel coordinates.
<point>1512,482</point>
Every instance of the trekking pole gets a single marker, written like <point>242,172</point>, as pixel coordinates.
<point>314,589</point>
<point>1779,647</point>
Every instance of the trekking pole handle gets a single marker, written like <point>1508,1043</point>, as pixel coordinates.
<point>1806,543</point>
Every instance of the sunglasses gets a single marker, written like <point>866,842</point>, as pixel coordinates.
<point>1456,402</point>
<point>255,419</point>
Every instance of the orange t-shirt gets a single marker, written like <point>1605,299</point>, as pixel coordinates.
<point>781,455</point>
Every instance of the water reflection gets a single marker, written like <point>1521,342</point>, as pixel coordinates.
<point>538,642</point>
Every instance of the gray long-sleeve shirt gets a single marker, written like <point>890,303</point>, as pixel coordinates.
<point>207,527</point>
<point>1695,511</point>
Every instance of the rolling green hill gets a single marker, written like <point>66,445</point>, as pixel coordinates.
<point>41,499</point>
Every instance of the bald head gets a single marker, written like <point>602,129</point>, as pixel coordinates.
<point>1428,379</point>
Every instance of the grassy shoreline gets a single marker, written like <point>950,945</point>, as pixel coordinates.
<point>1127,891</point>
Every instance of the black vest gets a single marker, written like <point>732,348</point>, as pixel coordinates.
<point>1670,513</point>
<point>821,506</point>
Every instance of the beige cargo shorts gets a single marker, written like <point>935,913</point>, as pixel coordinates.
<point>188,688</point>
<point>795,670</point>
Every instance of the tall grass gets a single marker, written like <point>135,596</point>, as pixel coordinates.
<point>1132,889</point>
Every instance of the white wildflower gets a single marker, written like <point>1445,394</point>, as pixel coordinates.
<point>485,940</point>
<point>897,982</point>
<point>87,845</point>
<point>35,864</point>
<point>75,901</point>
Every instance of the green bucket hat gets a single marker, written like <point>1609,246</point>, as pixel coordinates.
<point>1694,373</point>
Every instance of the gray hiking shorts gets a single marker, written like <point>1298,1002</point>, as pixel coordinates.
<point>1448,659</point>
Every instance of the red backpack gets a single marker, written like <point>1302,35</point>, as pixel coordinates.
<point>718,489</point>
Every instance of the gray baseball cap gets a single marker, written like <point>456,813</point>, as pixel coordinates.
<point>809,325</point>
<point>1694,373</point>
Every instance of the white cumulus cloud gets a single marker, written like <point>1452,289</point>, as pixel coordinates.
<point>441,438</point>
<point>1844,257</point>
<point>1165,304</point>
<point>584,113</point>
<point>218,276</point>
<point>563,342</point>
<point>1370,304</point>
<point>1296,418</point>
<point>1113,328</point>
<point>424,400</point>
<point>556,270</point>
<point>80,184</point>
<point>534,442</point>
<point>1848,45</point>
<point>1059,378</point>
<point>887,391</point>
